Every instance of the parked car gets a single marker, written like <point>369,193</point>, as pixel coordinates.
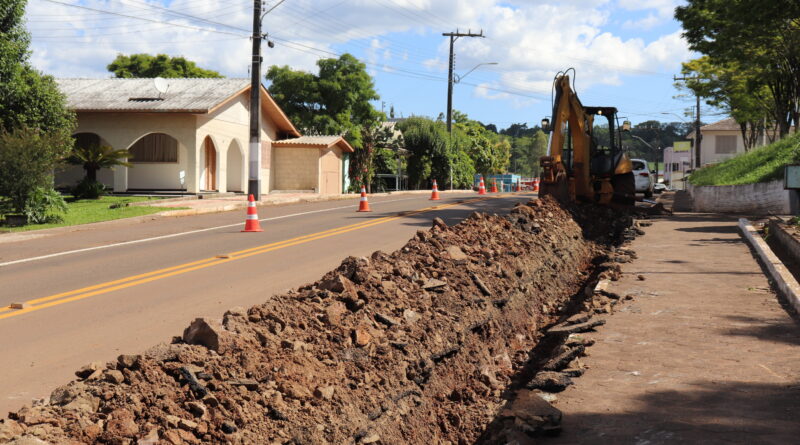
<point>644,178</point>
<point>659,187</point>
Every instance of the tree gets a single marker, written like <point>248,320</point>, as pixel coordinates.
<point>427,146</point>
<point>27,98</point>
<point>334,101</point>
<point>759,38</point>
<point>161,65</point>
<point>93,157</point>
<point>35,125</point>
<point>743,94</point>
<point>27,159</point>
<point>376,138</point>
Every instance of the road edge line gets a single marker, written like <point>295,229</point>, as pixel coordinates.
<point>780,275</point>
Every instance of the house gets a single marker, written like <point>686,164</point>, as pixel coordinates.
<point>194,137</point>
<point>723,140</point>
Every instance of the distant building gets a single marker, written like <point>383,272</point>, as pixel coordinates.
<point>723,140</point>
<point>676,166</point>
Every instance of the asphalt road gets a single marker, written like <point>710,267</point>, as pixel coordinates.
<point>92,294</point>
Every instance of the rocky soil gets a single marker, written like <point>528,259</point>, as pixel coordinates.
<point>438,342</point>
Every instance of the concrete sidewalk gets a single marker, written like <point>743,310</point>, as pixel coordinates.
<point>704,353</point>
<point>193,206</point>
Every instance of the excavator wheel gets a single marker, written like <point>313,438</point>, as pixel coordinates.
<point>624,189</point>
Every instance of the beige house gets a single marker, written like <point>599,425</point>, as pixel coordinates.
<point>194,137</point>
<point>723,140</point>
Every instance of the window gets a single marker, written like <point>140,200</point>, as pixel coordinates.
<point>155,147</point>
<point>725,144</point>
<point>639,165</point>
<point>675,166</point>
<point>87,140</point>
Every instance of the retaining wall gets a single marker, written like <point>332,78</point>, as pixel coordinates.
<point>763,198</point>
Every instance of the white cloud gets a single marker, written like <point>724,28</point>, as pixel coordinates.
<point>531,41</point>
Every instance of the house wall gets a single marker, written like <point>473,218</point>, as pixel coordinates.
<point>296,168</point>
<point>122,130</point>
<point>161,176</point>
<point>70,175</point>
<point>228,125</point>
<point>330,180</point>
<point>708,147</point>
<point>228,128</point>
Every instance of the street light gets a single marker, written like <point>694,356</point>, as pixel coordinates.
<point>681,118</point>
<point>456,79</point>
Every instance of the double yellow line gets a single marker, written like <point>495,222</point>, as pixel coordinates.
<point>110,286</point>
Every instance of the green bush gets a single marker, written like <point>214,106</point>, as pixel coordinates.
<point>45,205</point>
<point>88,189</point>
<point>27,160</point>
<point>762,164</point>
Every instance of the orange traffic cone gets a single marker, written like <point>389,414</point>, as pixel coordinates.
<point>494,186</point>
<point>519,186</point>
<point>481,188</point>
<point>363,205</point>
<point>435,192</point>
<point>251,223</point>
<point>536,184</point>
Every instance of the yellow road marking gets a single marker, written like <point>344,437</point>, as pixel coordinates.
<point>110,286</point>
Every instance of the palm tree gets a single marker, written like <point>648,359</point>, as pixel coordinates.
<point>93,157</point>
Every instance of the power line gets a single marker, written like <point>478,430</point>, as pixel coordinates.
<point>196,28</point>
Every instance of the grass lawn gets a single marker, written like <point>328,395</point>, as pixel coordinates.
<point>95,210</point>
<point>762,164</point>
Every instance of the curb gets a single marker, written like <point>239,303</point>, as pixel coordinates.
<point>780,275</point>
<point>299,199</point>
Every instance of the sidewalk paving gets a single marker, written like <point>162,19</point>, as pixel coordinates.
<point>227,203</point>
<point>703,354</point>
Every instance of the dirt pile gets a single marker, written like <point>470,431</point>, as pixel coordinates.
<point>416,346</point>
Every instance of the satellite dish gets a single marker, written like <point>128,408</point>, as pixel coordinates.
<point>161,85</point>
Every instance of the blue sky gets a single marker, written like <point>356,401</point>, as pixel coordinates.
<point>625,52</point>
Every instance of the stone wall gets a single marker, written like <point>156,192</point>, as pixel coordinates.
<point>764,198</point>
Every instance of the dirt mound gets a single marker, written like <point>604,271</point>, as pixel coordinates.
<point>416,346</point>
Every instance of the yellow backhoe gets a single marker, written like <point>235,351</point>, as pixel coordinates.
<point>581,165</point>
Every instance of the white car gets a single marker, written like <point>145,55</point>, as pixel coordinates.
<point>659,187</point>
<point>644,178</point>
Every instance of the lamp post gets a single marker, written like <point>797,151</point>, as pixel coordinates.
<point>454,79</point>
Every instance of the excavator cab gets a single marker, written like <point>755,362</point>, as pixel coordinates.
<point>585,160</point>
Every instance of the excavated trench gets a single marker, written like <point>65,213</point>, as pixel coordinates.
<point>450,339</point>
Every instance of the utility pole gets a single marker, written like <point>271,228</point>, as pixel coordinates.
<point>698,138</point>
<point>451,66</point>
<point>254,164</point>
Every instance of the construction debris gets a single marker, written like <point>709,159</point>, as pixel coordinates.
<point>417,346</point>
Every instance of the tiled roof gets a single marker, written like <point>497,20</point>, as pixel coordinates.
<point>198,96</point>
<point>183,95</point>
<point>315,141</point>
<point>728,124</point>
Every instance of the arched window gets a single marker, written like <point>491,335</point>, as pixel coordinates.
<point>87,140</point>
<point>155,147</point>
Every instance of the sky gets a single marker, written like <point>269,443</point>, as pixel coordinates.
<point>624,52</point>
